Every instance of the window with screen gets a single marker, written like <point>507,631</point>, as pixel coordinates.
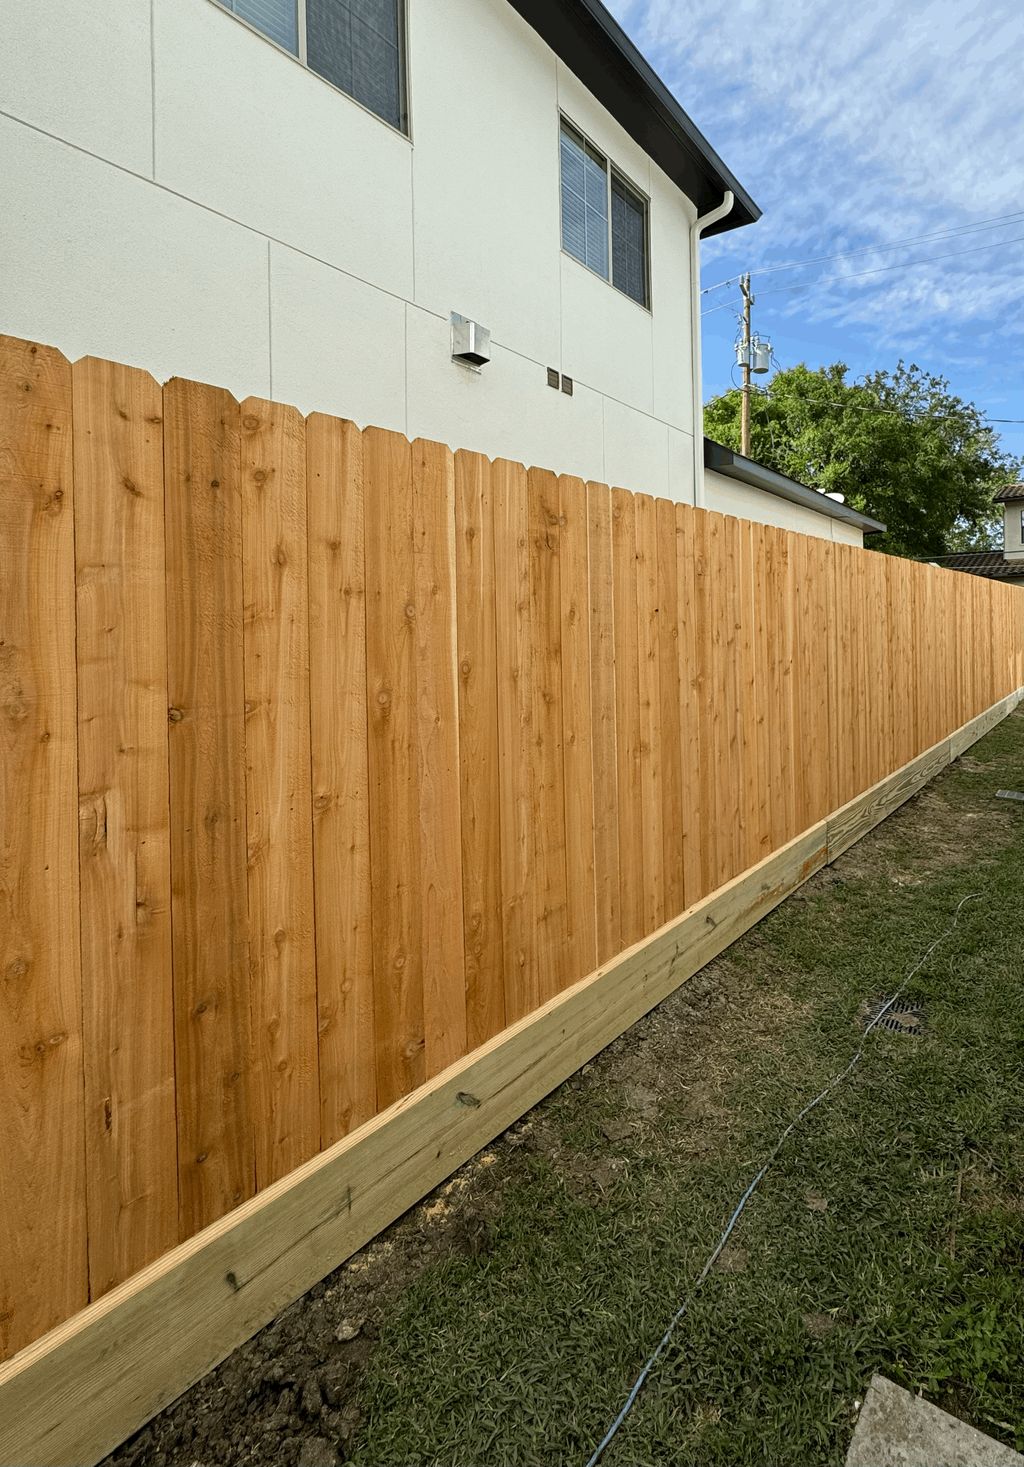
<point>356,45</point>
<point>604,219</point>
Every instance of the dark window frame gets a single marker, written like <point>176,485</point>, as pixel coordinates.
<point>614,178</point>
<point>300,54</point>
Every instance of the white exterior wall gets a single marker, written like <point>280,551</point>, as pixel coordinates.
<point>728,496</point>
<point>1013,540</point>
<point>183,196</point>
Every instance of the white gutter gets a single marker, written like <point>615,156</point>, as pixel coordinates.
<point>696,229</point>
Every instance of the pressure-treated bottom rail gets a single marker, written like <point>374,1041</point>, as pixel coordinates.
<point>75,1394</point>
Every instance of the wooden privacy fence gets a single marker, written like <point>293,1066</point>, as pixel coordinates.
<point>328,756</point>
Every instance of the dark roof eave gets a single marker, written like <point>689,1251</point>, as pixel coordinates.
<point>746,471</point>
<point>597,50</point>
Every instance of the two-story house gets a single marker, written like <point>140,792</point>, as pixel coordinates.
<point>477,221</point>
<point>998,565</point>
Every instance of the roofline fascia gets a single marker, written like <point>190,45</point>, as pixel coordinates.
<point>734,466</point>
<point>593,27</point>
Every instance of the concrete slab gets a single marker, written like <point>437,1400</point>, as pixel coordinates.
<point>896,1429</point>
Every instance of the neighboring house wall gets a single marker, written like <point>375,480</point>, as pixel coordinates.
<point>730,497</point>
<point>181,195</point>
<point>1013,524</point>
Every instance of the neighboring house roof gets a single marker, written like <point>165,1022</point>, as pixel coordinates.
<point>1011,492</point>
<point>746,471</point>
<point>596,48</point>
<point>991,563</point>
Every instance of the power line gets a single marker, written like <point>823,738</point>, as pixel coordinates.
<point>724,306</point>
<point>994,223</point>
<point>857,407</point>
<point>832,280</point>
<point>882,269</point>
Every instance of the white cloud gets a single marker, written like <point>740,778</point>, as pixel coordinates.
<point>855,125</point>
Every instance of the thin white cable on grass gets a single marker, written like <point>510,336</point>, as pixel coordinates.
<point>833,1084</point>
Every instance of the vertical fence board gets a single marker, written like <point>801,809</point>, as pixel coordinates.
<point>438,808</point>
<point>131,1148</point>
<point>669,711</point>
<point>727,740</point>
<point>746,691</point>
<point>340,777</point>
<point>775,690</point>
<point>282,968</point>
<point>762,652</point>
<point>206,744</point>
<point>602,682</point>
<point>815,632</point>
<point>845,743</point>
<point>709,703</point>
<point>690,694</point>
<point>43,1265</point>
<point>478,748</point>
<point>577,732</point>
<point>549,873</point>
<point>514,677</point>
<point>649,641</point>
<point>627,717</point>
<point>395,857</point>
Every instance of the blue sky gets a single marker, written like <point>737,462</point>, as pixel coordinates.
<point>852,127</point>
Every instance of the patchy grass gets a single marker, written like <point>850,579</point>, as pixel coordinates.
<point>889,1236</point>
<point>501,1323</point>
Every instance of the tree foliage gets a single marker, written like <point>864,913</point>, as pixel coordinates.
<point>927,466</point>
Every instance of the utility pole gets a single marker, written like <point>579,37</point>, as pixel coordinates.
<point>748,301</point>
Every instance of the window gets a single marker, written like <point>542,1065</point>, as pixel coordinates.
<point>604,219</point>
<point>356,45</point>
<point>1022,527</point>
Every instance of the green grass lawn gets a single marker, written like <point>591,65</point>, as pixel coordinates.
<point>888,1237</point>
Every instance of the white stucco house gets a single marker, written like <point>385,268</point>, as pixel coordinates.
<point>294,198</point>
<point>1006,564</point>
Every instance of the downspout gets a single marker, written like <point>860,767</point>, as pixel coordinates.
<point>696,229</point>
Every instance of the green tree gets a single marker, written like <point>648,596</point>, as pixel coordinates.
<point>899,446</point>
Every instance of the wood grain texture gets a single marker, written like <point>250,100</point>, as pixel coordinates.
<point>514,678</point>
<point>762,653</point>
<point>690,695</point>
<point>777,690</point>
<point>206,741</point>
<point>438,783</point>
<point>725,745</point>
<point>393,738</point>
<point>706,693</point>
<point>109,1371</point>
<point>75,1395</point>
<point>282,965</point>
<point>124,814</point>
<point>814,569</point>
<point>379,750</point>
<point>478,748</point>
<point>669,710</point>
<point>577,733</point>
<point>652,803</point>
<point>43,1265</point>
<point>340,776</point>
<point>627,717</point>
<point>549,873</point>
<point>602,683</point>
<point>746,696</point>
